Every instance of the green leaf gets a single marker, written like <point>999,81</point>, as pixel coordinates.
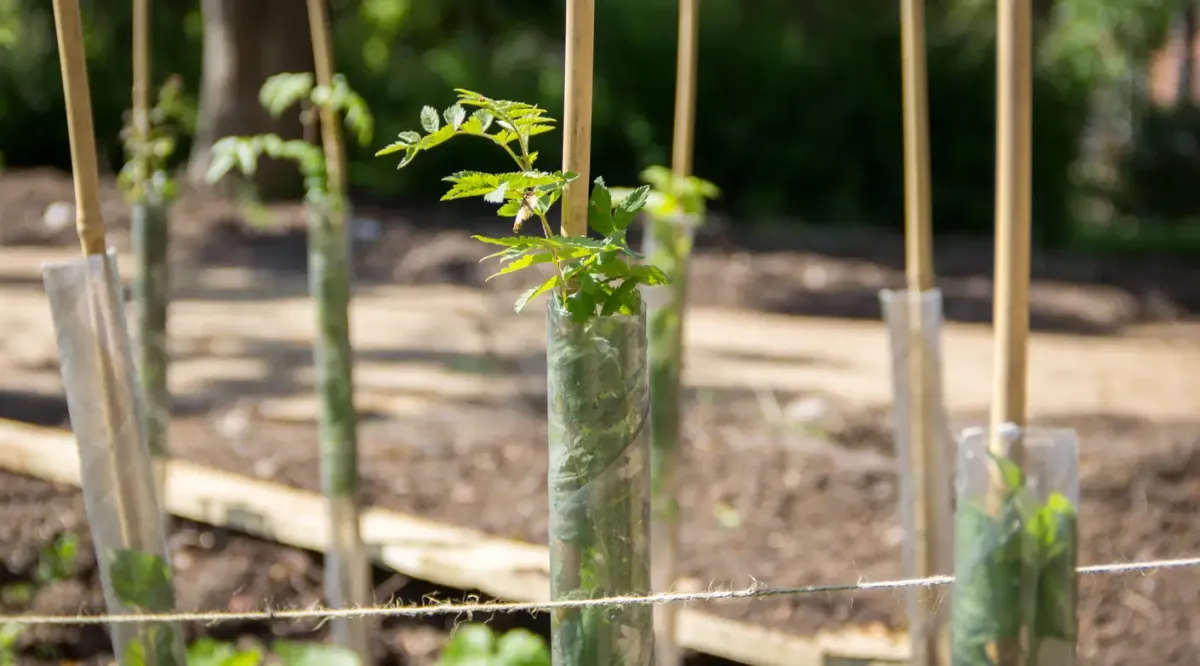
<point>281,91</point>
<point>628,207</point>
<point>621,299</point>
<point>455,115</point>
<point>521,647</point>
<point>410,137</point>
<point>600,209</point>
<point>497,195</point>
<point>484,117</point>
<point>530,294</point>
<point>429,119</point>
<point>470,644</point>
<point>649,275</point>
<point>522,262</point>
<point>142,580</point>
<point>1010,472</point>
<point>313,654</point>
<point>209,652</point>
<point>247,156</point>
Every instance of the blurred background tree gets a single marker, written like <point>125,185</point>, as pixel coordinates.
<point>799,102</point>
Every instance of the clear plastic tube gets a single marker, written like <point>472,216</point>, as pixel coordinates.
<point>1016,548</point>
<point>598,405</point>
<point>115,468</point>
<point>667,244</point>
<point>925,460</point>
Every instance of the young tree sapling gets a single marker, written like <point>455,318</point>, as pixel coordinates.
<point>597,392</point>
<point>347,569</point>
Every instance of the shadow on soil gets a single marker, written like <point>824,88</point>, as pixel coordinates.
<point>1105,294</point>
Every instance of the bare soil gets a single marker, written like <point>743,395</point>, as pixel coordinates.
<point>788,474</point>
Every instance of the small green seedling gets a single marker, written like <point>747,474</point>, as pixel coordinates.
<point>478,645</point>
<point>142,582</point>
<point>57,560</point>
<point>209,652</point>
<point>278,94</point>
<point>144,175</point>
<point>592,277</point>
<point>1020,576</point>
<point>9,634</point>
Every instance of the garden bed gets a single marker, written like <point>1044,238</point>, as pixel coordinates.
<point>785,488</point>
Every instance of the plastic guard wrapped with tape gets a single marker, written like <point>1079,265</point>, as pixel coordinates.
<point>115,469</point>
<point>1015,592</point>
<point>598,407</point>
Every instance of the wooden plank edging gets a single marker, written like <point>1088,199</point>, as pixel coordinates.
<point>424,549</point>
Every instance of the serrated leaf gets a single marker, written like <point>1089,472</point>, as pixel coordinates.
<point>221,164</point>
<point>454,116</point>
<point>620,298</point>
<point>510,208</point>
<point>485,119</point>
<point>627,208</point>
<point>429,119</point>
<point>522,262</point>
<point>600,209</point>
<point>533,292</point>
<point>649,275</point>
<point>496,196</point>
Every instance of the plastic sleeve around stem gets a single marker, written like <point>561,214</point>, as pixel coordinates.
<point>1015,593</point>
<point>598,405</point>
<point>667,244</point>
<point>127,528</point>
<point>925,460</point>
<point>150,293</point>
<point>347,576</point>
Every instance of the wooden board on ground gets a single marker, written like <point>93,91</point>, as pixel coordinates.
<point>439,553</point>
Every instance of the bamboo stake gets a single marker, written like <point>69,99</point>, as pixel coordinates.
<point>1013,213</point>
<point>929,539</point>
<point>347,574</point>
<point>141,66</point>
<point>78,99</point>
<point>665,513</point>
<point>685,88</point>
<point>118,479</point>
<point>577,112</point>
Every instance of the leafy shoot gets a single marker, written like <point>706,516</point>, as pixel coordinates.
<point>672,196</point>
<point>278,94</point>
<point>592,277</point>
<point>144,174</point>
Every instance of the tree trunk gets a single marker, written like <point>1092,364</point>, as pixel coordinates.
<point>244,43</point>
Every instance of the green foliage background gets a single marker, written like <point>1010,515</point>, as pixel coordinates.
<point>799,102</point>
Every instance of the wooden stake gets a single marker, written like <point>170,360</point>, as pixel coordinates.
<point>925,440</point>
<point>918,237</point>
<point>141,66</point>
<point>577,113</point>
<point>685,88</point>
<point>331,129</point>
<point>1013,211</point>
<point>78,99</point>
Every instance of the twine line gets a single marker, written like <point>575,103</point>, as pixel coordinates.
<point>756,591</point>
